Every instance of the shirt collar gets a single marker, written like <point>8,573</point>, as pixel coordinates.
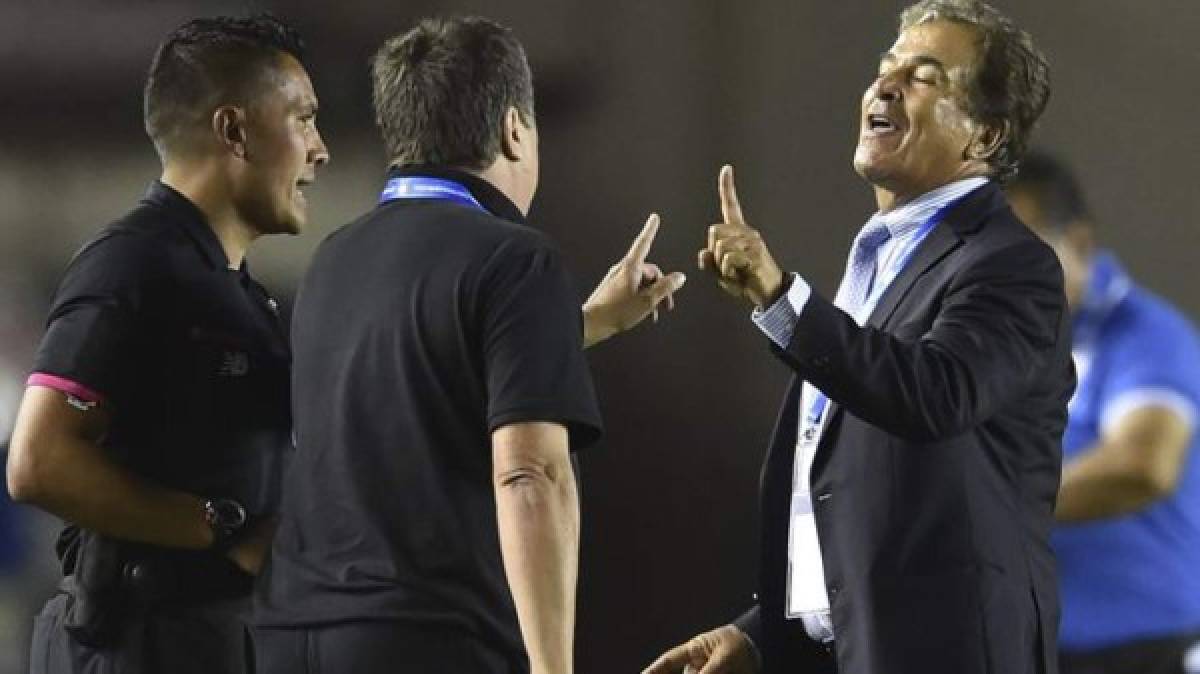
<point>487,194</point>
<point>186,215</point>
<point>907,218</point>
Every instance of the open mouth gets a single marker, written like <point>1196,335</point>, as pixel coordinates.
<point>877,123</point>
<point>301,184</point>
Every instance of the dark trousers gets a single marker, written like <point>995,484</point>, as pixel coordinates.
<point>1152,656</point>
<point>208,638</point>
<point>376,647</point>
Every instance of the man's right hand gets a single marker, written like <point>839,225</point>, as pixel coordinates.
<point>632,290</point>
<point>737,255</point>
<point>725,650</point>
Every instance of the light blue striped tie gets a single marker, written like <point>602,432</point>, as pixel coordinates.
<point>860,273</point>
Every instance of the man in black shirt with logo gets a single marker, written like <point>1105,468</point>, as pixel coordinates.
<point>430,519</point>
<point>156,420</point>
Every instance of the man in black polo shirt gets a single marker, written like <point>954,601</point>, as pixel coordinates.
<point>156,420</point>
<point>430,519</point>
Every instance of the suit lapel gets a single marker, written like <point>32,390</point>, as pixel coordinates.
<point>936,245</point>
<point>945,237</point>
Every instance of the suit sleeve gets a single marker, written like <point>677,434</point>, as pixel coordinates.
<point>997,327</point>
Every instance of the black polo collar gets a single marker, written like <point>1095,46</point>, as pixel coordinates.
<point>484,192</point>
<point>191,219</point>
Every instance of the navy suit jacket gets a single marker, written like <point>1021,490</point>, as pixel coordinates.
<point>934,482</point>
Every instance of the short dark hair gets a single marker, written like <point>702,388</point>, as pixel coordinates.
<point>207,62</point>
<point>1011,85</point>
<point>1053,187</point>
<point>442,89</point>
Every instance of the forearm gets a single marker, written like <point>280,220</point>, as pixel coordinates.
<point>1099,485</point>
<point>76,480</point>
<point>594,330</point>
<point>538,518</point>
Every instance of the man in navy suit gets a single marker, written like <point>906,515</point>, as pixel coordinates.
<point>909,489</point>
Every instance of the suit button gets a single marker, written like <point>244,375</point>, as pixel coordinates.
<point>834,589</point>
<point>821,498</point>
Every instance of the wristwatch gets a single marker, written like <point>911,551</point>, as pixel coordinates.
<point>226,518</point>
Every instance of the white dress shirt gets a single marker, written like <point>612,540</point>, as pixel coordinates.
<point>807,598</point>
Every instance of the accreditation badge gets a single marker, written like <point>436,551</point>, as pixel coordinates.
<point>806,573</point>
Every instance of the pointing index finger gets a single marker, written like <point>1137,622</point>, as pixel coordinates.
<point>641,244</point>
<point>731,209</point>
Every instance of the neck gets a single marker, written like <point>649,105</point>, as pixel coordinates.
<point>503,176</point>
<point>1076,288</point>
<point>890,197</point>
<point>208,189</point>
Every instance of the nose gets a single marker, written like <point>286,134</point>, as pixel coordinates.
<point>318,154</point>
<point>888,88</point>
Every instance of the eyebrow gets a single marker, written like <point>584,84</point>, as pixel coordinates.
<point>920,60</point>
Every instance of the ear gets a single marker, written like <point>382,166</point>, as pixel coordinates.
<point>229,129</point>
<point>986,140</point>
<point>515,144</point>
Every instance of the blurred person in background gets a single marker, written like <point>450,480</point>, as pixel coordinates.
<point>1128,540</point>
<point>908,492</point>
<point>430,520</point>
<point>24,583</point>
<point>156,420</point>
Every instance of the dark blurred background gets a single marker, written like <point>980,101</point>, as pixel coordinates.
<point>639,103</point>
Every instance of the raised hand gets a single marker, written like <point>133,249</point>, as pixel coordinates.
<point>631,290</point>
<point>736,254</point>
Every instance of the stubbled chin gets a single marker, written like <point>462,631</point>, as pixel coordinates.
<point>867,159</point>
<point>871,165</point>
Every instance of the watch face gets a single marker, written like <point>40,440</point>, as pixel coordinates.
<point>229,513</point>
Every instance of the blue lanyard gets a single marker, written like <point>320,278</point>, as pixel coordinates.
<point>423,187</point>
<point>821,401</point>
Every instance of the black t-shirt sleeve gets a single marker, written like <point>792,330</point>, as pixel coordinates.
<point>533,346</point>
<point>90,343</point>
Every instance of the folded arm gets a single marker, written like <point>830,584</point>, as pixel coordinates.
<point>1138,460</point>
<point>55,462</point>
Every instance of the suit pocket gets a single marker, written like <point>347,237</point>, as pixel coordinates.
<point>932,617</point>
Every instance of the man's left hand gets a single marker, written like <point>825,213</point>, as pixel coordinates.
<point>737,254</point>
<point>251,550</point>
<point>632,290</point>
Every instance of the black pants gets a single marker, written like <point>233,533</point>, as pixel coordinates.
<point>208,638</point>
<point>1153,656</point>
<point>375,647</point>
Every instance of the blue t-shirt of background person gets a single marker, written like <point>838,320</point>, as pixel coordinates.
<point>13,542</point>
<point>1136,576</point>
